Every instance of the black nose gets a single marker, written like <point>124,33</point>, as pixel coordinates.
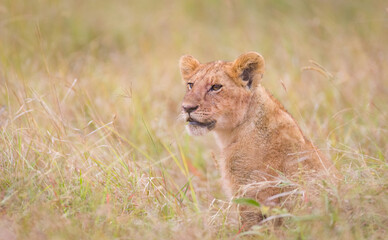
<point>189,108</point>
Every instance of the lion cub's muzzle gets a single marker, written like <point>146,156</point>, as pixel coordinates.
<point>196,124</point>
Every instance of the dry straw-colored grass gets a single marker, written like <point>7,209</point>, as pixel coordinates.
<point>90,145</point>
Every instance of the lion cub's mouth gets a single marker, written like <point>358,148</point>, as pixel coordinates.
<point>210,125</point>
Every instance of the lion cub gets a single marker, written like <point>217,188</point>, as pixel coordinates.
<point>260,142</point>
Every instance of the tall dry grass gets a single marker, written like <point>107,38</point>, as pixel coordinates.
<point>90,145</point>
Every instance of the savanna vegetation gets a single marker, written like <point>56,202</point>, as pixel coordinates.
<point>91,144</point>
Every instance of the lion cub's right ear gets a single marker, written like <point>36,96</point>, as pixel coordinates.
<point>188,64</point>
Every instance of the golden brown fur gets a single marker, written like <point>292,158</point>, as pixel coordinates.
<point>259,140</point>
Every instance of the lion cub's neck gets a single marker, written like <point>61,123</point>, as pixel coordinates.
<point>262,115</point>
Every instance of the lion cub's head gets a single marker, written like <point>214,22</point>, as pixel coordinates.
<point>218,93</point>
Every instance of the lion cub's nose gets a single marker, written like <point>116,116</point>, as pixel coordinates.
<point>189,107</point>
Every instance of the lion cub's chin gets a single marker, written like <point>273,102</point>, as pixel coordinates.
<point>194,130</point>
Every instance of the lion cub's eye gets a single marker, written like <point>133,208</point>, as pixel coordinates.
<point>216,87</point>
<point>190,85</point>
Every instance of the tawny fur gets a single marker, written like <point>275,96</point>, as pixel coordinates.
<point>259,140</point>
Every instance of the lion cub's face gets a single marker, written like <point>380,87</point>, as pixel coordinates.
<point>218,93</point>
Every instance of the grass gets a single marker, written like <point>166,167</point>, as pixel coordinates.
<point>90,145</point>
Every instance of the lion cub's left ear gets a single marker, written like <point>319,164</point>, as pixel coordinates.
<point>249,69</point>
<point>188,64</point>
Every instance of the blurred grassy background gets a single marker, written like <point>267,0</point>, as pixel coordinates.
<point>90,92</point>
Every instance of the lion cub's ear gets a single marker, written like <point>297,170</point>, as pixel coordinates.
<point>187,65</point>
<point>249,69</point>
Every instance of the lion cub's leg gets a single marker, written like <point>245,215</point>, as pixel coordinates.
<point>251,216</point>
